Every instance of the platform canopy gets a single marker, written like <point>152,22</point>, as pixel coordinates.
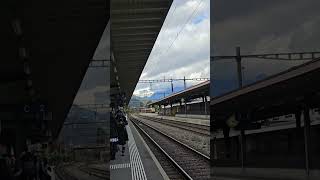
<point>193,92</point>
<point>281,94</point>
<point>48,46</point>
<point>135,26</point>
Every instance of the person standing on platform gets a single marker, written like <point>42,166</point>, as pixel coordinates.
<point>122,132</point>
<point>113,137</point>
<point>28,162</point>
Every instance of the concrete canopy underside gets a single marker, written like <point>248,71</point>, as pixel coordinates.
<point>281,94</point>
<point>135,26</point>
<point>193,92</point>
<point>60,38</point>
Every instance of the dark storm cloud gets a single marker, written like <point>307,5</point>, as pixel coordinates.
<point>258,26</point>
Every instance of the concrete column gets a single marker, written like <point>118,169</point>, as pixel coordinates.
<point>306,118</point>
<point>161,109</point>
<point>297,116</point>
<point>185,108</point>
<point>205,105</point>
<point>243,147</point>
<point>242,142</point>
<point>226,137</point>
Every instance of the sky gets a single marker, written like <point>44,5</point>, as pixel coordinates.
<point>181,49</point>
<point>257,26</point>
<point>96,82</point>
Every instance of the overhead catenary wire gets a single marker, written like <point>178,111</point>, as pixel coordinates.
<point>171,80</point>
<point>195,9</point>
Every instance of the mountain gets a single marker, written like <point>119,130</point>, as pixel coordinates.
<point>137,101</point>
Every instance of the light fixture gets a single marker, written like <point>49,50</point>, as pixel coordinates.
<point>23,52</point>
<point>29,82</point>
<point>16,25</point>
<point>27,69</point>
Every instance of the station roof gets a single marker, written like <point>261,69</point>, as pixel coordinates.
<point>135,26</point>
<point>60,38</point>
<point>277,95</point>
<point>193,92</point>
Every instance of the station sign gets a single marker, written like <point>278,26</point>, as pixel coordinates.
<point>34,108</point>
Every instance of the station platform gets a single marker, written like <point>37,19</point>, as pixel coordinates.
<point>195,119</point>
<point>74,171</point>
<point>138,162</point>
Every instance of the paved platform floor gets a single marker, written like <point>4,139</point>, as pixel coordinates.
<point>137,162</point>
<point>80,175</point>
<point>182,119</point>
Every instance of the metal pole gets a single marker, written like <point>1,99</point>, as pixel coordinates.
<point>184,82</point>
<point>171,85</point>
<point>239,67</point>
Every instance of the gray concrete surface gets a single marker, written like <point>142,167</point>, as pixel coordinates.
<point>136,164</point>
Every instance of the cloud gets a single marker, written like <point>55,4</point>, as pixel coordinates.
<point>261,27</point>
<point>144,92</point>
<point>189,55</point>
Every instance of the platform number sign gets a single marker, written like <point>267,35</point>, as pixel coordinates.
<point>39,110</point>
<point>34,108</point>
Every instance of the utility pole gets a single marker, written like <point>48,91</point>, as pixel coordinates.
<point>294,56</point>
<point>184,82</point>
<point>239,66</point>
<point>171,85</point>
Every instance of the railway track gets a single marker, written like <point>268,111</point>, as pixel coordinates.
<point>189,163</point>
<point>196,128</point>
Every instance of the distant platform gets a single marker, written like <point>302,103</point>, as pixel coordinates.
<point>195,119</point>
<point>137,163</point>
